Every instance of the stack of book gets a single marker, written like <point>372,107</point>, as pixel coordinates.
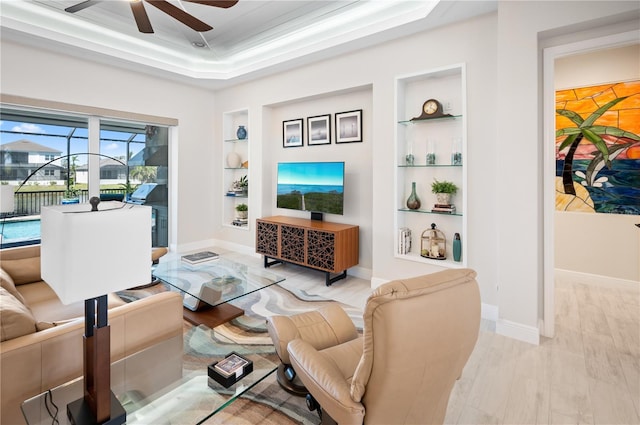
<point>444,208</point>
<point>200,257</point>
<point>404,240</point>
<point>240,222</point>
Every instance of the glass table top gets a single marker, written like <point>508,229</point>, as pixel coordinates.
<point>213,282</point>
<point>190,397</point>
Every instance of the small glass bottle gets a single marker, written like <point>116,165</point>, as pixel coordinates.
<point>409,159</point>
<point>431,154</point>
<point>456,151</point>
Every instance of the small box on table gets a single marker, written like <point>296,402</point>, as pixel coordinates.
<point>230,370</point>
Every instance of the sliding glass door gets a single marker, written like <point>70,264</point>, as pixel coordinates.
<point>50,158</point>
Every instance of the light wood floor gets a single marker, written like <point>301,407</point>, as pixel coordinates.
<point>589,373</point>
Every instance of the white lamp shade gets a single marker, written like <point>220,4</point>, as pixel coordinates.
<point>6,198</point>
<point>87,254</point>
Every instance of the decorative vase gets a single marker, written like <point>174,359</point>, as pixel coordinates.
<point>234,160</point>
<point>457,247</point>
<point>443,198</point>
<point>413,203</point>
<point>241,133</point>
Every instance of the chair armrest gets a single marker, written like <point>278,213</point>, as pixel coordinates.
<point>324,380</point>
<point>322,328</point>
<point>282,330</point>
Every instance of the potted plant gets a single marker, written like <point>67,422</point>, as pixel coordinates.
<point>128,190</point>
<point>242,211</point>
<point>71,196</point>
<point>443,190</point>
<point>241,186</point>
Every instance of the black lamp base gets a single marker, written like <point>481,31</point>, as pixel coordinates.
<point>79,413</point>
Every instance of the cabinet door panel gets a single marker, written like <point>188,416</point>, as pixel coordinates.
<point>321,249</point>
<point>267,239</point>
<point>292,243</point>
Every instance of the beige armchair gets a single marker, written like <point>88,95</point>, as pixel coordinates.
<point>418,335</point>
<point>322,328</point>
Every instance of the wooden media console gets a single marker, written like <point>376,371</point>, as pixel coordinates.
<point>320,245</point>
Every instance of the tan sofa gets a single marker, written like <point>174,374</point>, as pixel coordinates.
<point>42,338</point>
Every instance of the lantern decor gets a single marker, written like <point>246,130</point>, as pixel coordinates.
<point>433,244</point>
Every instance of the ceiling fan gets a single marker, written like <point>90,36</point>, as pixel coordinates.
<point>142,19</point>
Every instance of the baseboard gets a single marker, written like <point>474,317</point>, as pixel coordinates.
<point>360,272</point>
<point>518,331</point>
<point>207,244</point>
<point>489,312</point>
<point>594,279</point>
<point>377,281</point>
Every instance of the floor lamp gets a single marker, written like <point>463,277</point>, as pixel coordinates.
<point>87,253</point>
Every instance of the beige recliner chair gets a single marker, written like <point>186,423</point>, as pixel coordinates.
<point>418,335</point>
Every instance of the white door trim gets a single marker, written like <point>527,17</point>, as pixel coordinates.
<point>550,54</point>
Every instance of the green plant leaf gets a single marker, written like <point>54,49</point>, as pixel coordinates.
<point>614,131</point>
<point>567,131</point>
<point>601,110</point>
<point>574,117</point>
<point>568,141</point>
<point>599,144</point>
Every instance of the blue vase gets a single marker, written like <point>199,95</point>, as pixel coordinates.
<point>457,247</point>
<point>241,133</point>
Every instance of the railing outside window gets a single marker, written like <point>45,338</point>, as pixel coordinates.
<point>29,203</point>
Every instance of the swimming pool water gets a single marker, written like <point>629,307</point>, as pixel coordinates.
<point>20,230</point>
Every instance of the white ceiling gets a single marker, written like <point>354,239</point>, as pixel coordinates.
<point>252,38</point>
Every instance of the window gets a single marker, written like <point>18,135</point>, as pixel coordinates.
<point>48,154</point>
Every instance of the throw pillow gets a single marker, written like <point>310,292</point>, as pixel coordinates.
<point>24,270</point>
<point>7,283</point>
<point>15,318</point>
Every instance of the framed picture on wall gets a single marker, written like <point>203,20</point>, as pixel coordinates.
<point>349,126</point>
<point>319,130</point>
<point>292,133</point>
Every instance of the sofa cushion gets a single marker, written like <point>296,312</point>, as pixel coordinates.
<point>23,270</point>
<point>7,283</point>
<point>15,318</point>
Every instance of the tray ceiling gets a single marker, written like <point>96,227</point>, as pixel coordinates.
<point>249,39</point>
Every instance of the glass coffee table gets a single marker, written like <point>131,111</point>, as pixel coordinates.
<point>151,395</point>
<point>208,287</point>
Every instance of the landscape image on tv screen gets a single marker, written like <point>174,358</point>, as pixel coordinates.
<point>311,186</point>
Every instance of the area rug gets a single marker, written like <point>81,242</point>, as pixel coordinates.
<point>266,403</point>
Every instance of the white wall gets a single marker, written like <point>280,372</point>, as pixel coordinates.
<point>521,26</point>
<point>367,77</point>
<point>41,74</point>
<point>600,244</point>
<point>267,111</point>
<point>503,58</point>
<point>502,54</point>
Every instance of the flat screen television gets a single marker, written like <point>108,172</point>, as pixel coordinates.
<point>311,186</point>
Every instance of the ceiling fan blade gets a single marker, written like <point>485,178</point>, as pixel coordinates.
<point>179,14</point>
<point>225,4</point>
<point>80,6</point>
<point>141,17</point>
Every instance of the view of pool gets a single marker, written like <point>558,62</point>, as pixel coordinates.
<point>14,231</point>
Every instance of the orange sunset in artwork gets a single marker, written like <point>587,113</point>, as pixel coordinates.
<point>598,148</point>
<point>585,100</point>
